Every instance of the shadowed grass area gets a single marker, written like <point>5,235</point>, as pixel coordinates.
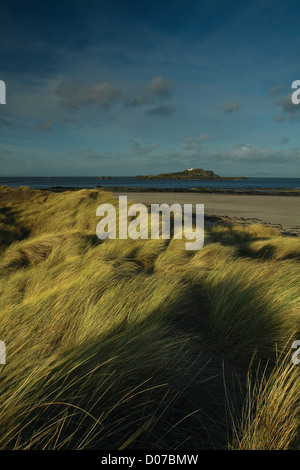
<point>254,306</point>
<point>129,344</point>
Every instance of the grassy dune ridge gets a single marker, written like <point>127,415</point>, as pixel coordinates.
<point>128,344</point>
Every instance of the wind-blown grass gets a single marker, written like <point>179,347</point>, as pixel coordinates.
<point>140,343</point>
<point>270,417</point>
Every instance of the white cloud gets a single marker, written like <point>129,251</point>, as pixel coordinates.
<point>254,154</point>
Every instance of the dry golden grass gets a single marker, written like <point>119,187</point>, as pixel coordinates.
<point>124,343</point>
<point>270,418</point>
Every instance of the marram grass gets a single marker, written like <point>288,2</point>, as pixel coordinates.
<point>140,344</point>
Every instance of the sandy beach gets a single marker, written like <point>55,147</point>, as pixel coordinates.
<point>282,212</point>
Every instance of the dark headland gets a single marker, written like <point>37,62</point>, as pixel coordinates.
<point>190,174</point>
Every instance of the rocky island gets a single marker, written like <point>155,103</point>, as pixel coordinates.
<point>190,174</point>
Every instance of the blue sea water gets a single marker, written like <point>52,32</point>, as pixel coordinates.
<point>91,182</point>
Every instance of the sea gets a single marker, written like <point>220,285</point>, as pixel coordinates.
<point>44,182</point>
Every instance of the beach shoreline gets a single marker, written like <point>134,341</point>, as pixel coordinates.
<point>280,212</point>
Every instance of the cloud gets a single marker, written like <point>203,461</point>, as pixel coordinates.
<point>161,110</point>
<point>73,95</point>
<point>158,90</point>
<point>198,140</point>
<point>287,106</point>
<point>243,155</point>
<point>4,122</point>
<point>34,98</point>
<point>231,107</point>
<point>191,143</point>
<point>276,90</point>
<point>278,118</point>
<point>135,98</point>
<point>250,153</point>
<point>138,149</point>
<point>45,126</point>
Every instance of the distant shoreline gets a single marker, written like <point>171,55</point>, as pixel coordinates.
<point>252,191</point>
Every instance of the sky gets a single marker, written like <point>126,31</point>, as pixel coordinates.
<point>121,88</point>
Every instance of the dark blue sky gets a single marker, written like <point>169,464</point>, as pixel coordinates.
<point>133,87</point>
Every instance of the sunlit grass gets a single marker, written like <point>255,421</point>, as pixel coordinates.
<point>270,417</point>
<point>123,343</point>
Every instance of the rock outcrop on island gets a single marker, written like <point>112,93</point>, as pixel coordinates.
<point>190,174</point>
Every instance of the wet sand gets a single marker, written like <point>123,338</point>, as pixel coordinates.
<point>282,212</point>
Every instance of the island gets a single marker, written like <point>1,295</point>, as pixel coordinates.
<point>189,174</point>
